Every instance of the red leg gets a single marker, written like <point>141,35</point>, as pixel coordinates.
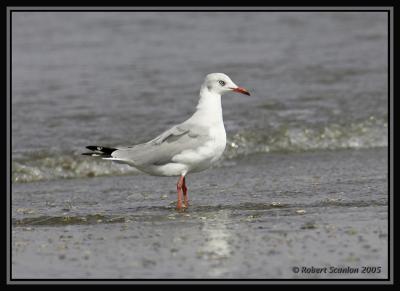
<point>185,196</point>
<point>179,189</point>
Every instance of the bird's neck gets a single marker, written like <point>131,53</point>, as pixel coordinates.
<point>209,108</point>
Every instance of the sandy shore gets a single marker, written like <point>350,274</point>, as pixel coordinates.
<point>324,213</point>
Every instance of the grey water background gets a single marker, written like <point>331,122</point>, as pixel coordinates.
<point>303,180</point>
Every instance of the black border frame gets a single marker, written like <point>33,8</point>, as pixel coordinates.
<point>217,9</point>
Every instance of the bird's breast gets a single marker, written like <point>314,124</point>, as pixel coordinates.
<point>202,157</point>
<point>218,136</point>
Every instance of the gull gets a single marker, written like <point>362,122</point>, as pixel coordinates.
<point>191,146</point>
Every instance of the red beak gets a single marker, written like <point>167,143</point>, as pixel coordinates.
<point>241,90</point>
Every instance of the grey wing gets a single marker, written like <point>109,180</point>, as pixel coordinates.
<point>177,130</point>
<point>164,147</point>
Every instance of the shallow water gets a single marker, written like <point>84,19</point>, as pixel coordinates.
<point>256,220</point>
<point>303,181</point>
<point>318,81</point>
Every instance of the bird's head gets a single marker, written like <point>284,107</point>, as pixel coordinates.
<point>220,83</point>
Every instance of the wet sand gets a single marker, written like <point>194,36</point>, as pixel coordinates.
<point>256,218</point>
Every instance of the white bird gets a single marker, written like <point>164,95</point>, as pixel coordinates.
<point>191,146</point>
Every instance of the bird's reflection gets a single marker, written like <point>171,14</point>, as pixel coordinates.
<point>216,249</point>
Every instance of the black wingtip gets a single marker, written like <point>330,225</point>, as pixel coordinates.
<point>94,148</point>
<point>101,149</point>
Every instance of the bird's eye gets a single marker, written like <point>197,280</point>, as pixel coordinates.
<point>222,83</point>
